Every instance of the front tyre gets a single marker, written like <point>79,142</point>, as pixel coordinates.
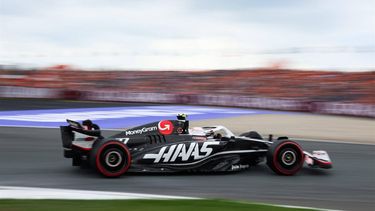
<point>110,158</point>
<point>285,157</point>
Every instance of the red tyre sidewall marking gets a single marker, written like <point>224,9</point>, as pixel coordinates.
<point>276,163</point>
<point>103,170</point>
<point>165,127</point>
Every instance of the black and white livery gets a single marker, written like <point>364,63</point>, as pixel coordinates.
<point>171,146</point>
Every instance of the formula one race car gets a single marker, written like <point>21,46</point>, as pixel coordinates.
<point>170,146</point>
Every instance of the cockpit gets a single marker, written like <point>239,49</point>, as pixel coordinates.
<point>211,132</point>
<point>215,132</point>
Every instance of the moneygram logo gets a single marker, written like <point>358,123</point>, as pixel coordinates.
<point>140,131</point>
<point>165,127</point>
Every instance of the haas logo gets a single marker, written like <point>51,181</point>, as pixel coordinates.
<point>182,152</point>
<point>165,127</point>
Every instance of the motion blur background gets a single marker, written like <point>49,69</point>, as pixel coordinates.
<point>314,56</point>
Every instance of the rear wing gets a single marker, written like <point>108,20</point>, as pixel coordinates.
<point>67,136</point>
<point>73,131</point>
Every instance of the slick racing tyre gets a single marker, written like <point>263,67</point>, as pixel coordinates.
<point>110,158</point>
<point>285,157</point>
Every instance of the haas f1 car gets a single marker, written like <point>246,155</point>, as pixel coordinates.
<point>170,146</point>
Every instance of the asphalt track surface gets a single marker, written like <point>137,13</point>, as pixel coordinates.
<point>33,157</point>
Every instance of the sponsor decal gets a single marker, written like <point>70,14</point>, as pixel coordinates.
<point>123,140</point>
<point>239,167</point>
<point>140,131</point>
<point>165,127</point>
<point>182,152</point>
<point>180,130</point>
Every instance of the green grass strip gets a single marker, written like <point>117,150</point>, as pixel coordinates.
<point>134,205</point>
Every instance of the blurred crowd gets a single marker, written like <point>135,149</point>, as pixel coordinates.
<point>320,86</point>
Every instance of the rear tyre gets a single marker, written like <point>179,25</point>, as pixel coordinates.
<point>285,157</point>
<point>110,158</point>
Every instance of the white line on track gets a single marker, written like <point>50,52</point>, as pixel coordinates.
<point>13,192</point>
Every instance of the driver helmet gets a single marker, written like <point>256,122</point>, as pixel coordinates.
<point>181,116</point>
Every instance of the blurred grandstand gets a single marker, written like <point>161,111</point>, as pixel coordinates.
<point>350,93</point>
